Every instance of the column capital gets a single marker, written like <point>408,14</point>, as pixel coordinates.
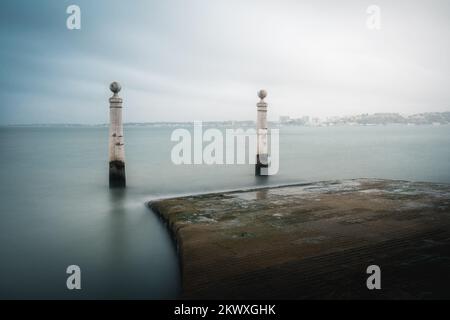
<point>115,87</point>
<point>115,101</point>
<point>262,94</point>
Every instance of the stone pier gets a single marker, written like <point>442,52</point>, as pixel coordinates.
<point>116,142</point>
<point>314,241</point>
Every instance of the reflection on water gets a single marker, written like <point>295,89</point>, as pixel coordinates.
<point>118,242</point>
<point>117,221</point>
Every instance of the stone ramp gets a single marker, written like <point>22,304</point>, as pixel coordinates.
<point>314,241</point>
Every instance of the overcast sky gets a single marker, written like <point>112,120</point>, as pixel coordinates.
<point>204,60</point>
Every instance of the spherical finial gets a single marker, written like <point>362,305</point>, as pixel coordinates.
<point>262,94</point>
<point>115,87</point>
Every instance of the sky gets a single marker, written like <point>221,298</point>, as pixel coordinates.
<point>187,60</point>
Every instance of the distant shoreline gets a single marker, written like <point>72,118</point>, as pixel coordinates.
<point>220,124</point>
<point>427,118</point>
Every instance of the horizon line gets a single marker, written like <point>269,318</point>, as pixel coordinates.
<point>212,121</point>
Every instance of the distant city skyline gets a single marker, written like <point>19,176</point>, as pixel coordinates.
<point>205,60</point>
<point>374,118</point>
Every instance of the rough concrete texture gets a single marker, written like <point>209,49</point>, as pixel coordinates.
<point>314,241</point>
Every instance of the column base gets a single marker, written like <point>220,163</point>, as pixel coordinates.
<point>117,174</point>
<point>261,162</point>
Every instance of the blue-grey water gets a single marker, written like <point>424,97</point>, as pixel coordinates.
<point>56,208</point>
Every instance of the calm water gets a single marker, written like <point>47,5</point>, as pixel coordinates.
<point>56,208</point>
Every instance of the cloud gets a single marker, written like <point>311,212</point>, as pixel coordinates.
<point>205,60</point>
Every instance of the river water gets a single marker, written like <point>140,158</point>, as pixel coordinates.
<point>56,208</point>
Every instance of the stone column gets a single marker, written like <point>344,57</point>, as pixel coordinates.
<point>116,141</point>
<point>261,131</point>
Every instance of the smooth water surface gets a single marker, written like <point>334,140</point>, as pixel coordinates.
<point>56,208</point>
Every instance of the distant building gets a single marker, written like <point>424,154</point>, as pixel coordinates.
<point>284,119</point>
<point>428,118</point>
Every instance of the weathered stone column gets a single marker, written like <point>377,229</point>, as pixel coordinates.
<point>261,131</point>
<point>116,141</point>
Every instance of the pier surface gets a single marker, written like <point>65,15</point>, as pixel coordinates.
<point>314,241</point>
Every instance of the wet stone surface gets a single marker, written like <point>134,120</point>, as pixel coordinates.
<point>314,241</point>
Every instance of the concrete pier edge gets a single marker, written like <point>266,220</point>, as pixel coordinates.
<point>157,206</point>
